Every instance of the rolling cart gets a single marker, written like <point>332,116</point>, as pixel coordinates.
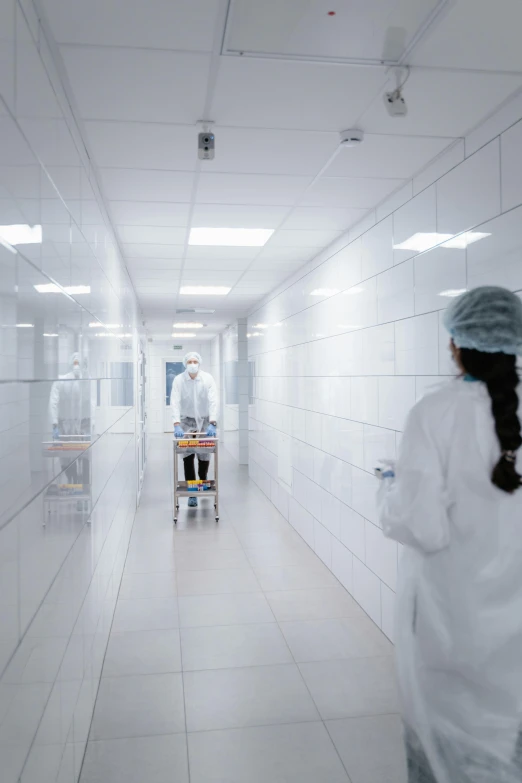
<point>71,494</point>
<point>199,442</point>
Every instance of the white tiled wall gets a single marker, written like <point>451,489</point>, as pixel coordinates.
<point>356,338</point>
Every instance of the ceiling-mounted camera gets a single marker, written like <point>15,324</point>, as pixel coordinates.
<point>206,142</point>
<point>394,100</point>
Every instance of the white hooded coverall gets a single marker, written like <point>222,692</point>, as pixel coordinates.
<point>459,610</point>
<point>193,403</point>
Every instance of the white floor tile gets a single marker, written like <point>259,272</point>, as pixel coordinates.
<point>326,603</point>
<point>217,582</point>
<point>231,646</point>
<point>300,753</point>
<point>143,652</point>
<point>235,698</point>
<point>154,585</point>
<point>139,706</point>
<point>371,749</point>
<point>327,640</point>
<point>233,609</point>
<point>145,615</point>
<point>139,760</point>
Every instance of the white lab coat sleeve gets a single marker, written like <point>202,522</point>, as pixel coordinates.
<point>413,507</point>
<point>54,402</point>
<point>175,399</point>
<point>212,400</point>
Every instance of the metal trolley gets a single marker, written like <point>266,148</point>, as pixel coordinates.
<point>74,494</point>
<point>200,442</point>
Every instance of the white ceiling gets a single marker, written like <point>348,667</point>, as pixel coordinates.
<point>143,73</point>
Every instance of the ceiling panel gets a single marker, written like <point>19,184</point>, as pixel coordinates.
<point>238,216</point>
<point>304,238</point>
<point>143,145</point>
<point>359,193</point>
<point>210,277</point>
<point>299,95</point>
<point>217,263</point>
<point>217,253</point>
<point>156,253</point>
<point>391,156</point>
<point>137,84</point>
<point>271,151</point>
<point>293,254</point>
<point>156,24</point>
<point>493,46</point>
<point>442,103</point>
<point>161,235</point>
<point>255,189</point>
<point>371,30</point>
<point>146,213</point>
<point>146,185</point>
<point>323,218</point>
<point>148,273</point>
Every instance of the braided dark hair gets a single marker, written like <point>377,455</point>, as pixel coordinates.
<point>499,373</point>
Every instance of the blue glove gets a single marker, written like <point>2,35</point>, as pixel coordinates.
<point>211,431</point>
<point>56,432</point>
<point>178,432</point>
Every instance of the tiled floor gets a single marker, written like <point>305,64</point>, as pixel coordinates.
<point>235,656</point>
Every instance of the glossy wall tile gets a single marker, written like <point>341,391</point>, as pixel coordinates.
<point>69,349</point>
<point>353,344</point>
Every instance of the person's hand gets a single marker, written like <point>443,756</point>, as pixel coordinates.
<point>56,432</point>
<point>178,432</point>
<point>211,431</point>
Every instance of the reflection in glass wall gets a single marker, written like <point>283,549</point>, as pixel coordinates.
<point>68,357</point>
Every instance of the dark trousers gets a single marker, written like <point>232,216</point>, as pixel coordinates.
<point>190,468</point>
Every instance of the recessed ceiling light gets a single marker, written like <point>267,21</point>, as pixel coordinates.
<point>452,292</point>
<point>25,326</point>
<point>52,288</point>
<point>187,326</point>
<point>20,234</point>
<point>324,292</point>
<point>98,325</point>
<point>205,290</point>
<point>421,242</point>
<point>254,334</point>
<point>260,326</point>
<point>230,237</point>
<point>183,334</point>
<point>50,334</point>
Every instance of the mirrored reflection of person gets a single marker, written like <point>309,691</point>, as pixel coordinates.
<point>72,407</point>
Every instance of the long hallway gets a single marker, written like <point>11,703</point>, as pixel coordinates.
<point>235,656</point>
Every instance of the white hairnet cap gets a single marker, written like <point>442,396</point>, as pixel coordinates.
<point>191,355</point>
<point>487,319</point>
<point>75,357</point>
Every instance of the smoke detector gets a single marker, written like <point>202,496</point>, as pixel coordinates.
<point>351,138</point>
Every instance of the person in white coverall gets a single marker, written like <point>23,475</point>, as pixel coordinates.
<point>453,500</point>
<point>71,410</point>
<point>193,404</point>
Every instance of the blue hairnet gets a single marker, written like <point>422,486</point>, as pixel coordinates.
<point>488,319</point>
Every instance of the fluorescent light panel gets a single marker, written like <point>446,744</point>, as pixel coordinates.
<point>187,326</point>
<point>204,290</point>
<point>98,325</point>
<point>183,334</point>
<point>52,288</point>
<point>230,237</point>
<point>453,292</point>
<point>25,326</point>
<point>50,334</point>
<point>421,241</point>
<point>324,292</point>
<point>20,234</point>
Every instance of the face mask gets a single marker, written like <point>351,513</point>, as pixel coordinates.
<point>76,371</point>
<point>193,368</point>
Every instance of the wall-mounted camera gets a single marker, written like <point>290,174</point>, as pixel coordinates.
<point>206,142</point>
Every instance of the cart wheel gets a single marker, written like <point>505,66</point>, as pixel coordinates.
<point>217,519</point>
<point>175,520</point>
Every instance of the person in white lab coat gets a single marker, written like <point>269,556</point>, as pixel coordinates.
<point>193,404</point>
<point>453,501</point>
